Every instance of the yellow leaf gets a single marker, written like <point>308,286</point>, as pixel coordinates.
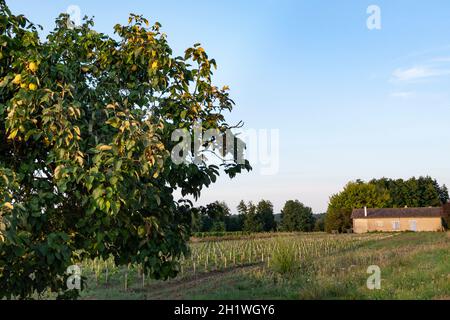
<point>57,174</point>
<point>77,130</point>
<point>80,160</point>
<point>160,146</point>
<point>13,134</point>
<point>155,64</point>
<point>8,205</point>
<point>104,148</point>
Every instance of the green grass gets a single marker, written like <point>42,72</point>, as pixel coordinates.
<point>413,266</point>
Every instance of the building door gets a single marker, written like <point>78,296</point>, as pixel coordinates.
<point>413,225</point>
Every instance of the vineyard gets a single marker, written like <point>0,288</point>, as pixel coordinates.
<point>267,251</point>
<point>289,266</point>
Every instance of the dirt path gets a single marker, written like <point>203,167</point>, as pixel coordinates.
<point>174,290</point>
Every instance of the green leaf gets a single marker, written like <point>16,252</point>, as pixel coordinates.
<point>98,192</point>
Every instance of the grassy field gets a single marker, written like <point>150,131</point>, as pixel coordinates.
<point>291,266</point>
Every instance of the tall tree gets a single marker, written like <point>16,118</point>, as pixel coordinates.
<point>242,208</point>
<point>86,123</point>
<point>213,216</point>
<point>251,221</point>
<point>297,217</point>
<point>237,222</point>
<point>355,195</point>
<point>218,210</point>
<point>264,211</point>
<point>443,194</point>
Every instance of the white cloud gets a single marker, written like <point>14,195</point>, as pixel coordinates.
<point>403,94</point>
<point>418,73</point>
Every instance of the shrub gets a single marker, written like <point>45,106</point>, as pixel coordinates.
<point>284,258</point>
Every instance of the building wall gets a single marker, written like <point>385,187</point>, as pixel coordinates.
<point>360,225</point>
<point>401,224</point>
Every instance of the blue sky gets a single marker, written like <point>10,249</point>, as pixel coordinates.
<point>349,102</point>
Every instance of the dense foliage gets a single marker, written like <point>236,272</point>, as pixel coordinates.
<point>213,217</point>
<point>414,192</point>
<point>296,217</point>
<point>257,218</point>
<point>217,217</point>
<point>382,193</point>
<point>264,212</point>
<point>85,129</point>
<point>319,222</point>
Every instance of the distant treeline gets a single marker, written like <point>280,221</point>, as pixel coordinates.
<point>295,216</point>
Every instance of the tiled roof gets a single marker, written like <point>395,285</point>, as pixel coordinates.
<point>399,213</point>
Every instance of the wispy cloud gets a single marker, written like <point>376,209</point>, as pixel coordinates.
<point>440,59</point>
<point>418,73</point>
<point>403,94</point>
